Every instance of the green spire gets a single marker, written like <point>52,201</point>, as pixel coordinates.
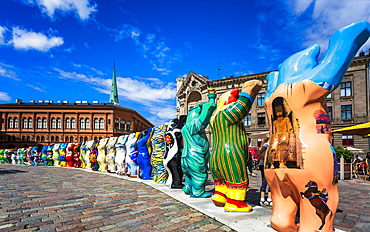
<point>114,92</point>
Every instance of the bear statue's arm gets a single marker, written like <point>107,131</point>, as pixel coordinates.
<point>236,111</point>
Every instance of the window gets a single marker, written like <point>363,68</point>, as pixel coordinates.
<point>82,123</point>
<point>95,138</point>
<point>25,123</point>
<point>73,123</point>
<point>56,138</point>
<point>96,123</point>
<point>42,138</point>
<point>261,99</point>
<point>37,138</point>
<point>53,123</point>
<point>39,123</point>
<point>81,139</point>
<point>28,138</point>
<point>329,96</point>
<point>248,120</point>
<point>330,112</point>
<point>101,124</point>
<point>67,139</point>
<point>52,139</point>
<point>68,123</point>
<point>261,119</point>
<point>71,139</point>
<point>347,140</point>
<point>87,123</point>
<point>122,125</point>
<point>10,123</point>
<point>23,138</point>
<point>15,122</point>
<point>85,139</point>
<point>59,123</point>
<point>345,89</point>
<point>44,123</point>
<point>116,124</point>
<point>346,112</point>
<point>128,126</point>
<point>30,123</point>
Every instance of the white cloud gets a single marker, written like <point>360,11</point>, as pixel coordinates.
<point>26,40</point>
<point>145,92</point>
<point>8,71</point>
<point>83,8</point>
<point>151,47</point>
<point>2,31</point>
<point>36,88</point>
<point>5,97</point>
<point>328,16</point>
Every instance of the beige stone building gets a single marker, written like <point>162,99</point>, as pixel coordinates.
<point>347,105</point>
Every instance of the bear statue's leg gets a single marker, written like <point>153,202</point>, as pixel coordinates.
<point>235,201</point>
<point>187,187</point>
<point>219,198</point>
<point>285,203</point>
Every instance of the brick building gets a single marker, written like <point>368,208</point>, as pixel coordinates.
<point>44,122</point>
<point>348,105</point>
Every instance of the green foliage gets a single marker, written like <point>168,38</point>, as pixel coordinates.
<point>347,155</point>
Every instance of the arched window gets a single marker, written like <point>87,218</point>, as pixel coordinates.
<point>73,123</point>
<point>87,123</point>
<point>67,139</point>
<point>81,139</point>
<point>56,138</point>
<point>116,124</point>
<point>30,123</point>
<point>122,125</point>
<point>39,123</point>
<point>25,123</point>
<point>85,139</point>
<point>15,122</point>
<point>44,123</point>
<point>59,123</point>
<point>101,124</point>
<point>52,139</point>
<point>28,138</point>
<point>128,126</point>
<point>95,138</point>
<point>23,138</point>
<point>96,123</point>
<point>37,138</point>
<point>82,123</point>
<point>71,139</point>
<point>68,123</point>
<point>100,138</point>
<point>53,123</point>
<point>13,138</point>
<point>42,138</point>
<point>10,123</point>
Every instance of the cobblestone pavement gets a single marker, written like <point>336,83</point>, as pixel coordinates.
<point>61,199</point>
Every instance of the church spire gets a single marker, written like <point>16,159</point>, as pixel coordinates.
<point>114,92</point>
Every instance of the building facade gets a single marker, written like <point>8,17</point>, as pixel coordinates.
<point>348,105</point>
<point>44,122</point>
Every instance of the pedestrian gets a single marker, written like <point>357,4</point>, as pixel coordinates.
<point>264,200</point>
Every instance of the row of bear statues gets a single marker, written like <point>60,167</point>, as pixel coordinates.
<point>300,162</point>
<point>151,154</point>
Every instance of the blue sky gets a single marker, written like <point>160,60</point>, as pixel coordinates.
<point>65,49</point>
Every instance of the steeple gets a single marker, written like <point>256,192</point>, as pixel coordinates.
<point>114,92</point>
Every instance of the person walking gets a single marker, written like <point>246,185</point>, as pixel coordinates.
<point>264,200</point>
